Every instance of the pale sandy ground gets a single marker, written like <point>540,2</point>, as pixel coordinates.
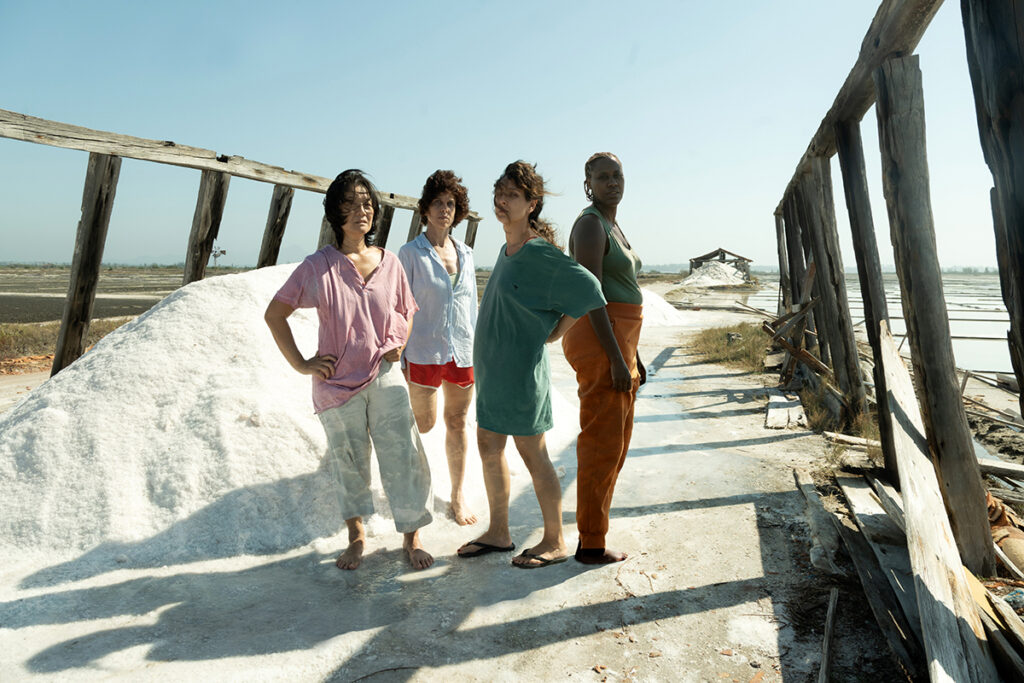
<point>716,580</point>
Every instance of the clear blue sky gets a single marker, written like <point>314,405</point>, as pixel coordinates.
<point>710,105</point>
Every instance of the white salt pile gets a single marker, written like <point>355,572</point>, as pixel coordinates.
<point>714,274</point>
<point>660,313</point>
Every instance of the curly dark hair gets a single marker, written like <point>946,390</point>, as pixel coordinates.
<point>444,181</point>
<point>346,182</point>
<point>524,176</point>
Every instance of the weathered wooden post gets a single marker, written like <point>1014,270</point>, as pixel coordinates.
<point>797,268</point>
<point>780,243</point>
<point>213,195</point>
<point>415,228</point>
<point>901,136</point>
<point>97,205</point>
<point>835,279</point>
<point>822,318</point>
<point>326,235</point>
<point>384,228</point>
<point>994,33</point>
<point>277,219</point>
<point>869,269</point>
<point>471,232</point>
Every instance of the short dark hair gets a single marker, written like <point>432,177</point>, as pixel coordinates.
<point>438,183</point>
<point>346,182</point>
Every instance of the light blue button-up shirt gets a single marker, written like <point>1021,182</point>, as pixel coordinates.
<point>443,327</point>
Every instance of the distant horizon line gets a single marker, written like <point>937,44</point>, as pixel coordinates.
<point>654,268</point>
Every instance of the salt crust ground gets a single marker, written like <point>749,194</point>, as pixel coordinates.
<point>164,516</point>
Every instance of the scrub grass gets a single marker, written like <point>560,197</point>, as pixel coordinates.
<point>38,339</point>
<point>746,353</point>
<point>819,417</point>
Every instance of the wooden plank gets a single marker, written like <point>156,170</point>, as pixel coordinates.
<point>994,33</point>
<point>886,609</point>
<point>835,279</point>
<point>55,134</point>
<point>824,535</point>
<point>869,269</point>
<point>1008,617</point>
<point>1009,663</point>
<point>887,541</point>
<point>472,225</point>
<point>801,354</point>
<point>384,228</point>
<point>780,243</point>
<point>213,195</point>
<point>851,440</point>
<point>277,220</point>
<point>889,498</point>
<point>826,642</point>
<point>794,251</point>
<point>952,632</point>
<point>895,30</point>
<point>326,235</point>
<point>783,411</point>
<point>900,110</point>
<point>1002,468</point>
<point>415,227</point>
<point>823,323</point>
<point>97,204</point>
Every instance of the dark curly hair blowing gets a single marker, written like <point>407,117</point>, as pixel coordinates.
<point>338,192</point>
<point>438,183</point>
<point>524,176</point>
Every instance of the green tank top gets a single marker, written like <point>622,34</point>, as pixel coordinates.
<point>618,268</point>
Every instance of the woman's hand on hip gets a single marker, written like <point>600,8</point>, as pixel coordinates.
<point>321,366</point>
<point>394,355</point>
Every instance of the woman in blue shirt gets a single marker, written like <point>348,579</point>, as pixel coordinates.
<point>440,349</point>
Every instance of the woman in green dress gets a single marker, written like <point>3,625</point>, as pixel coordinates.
<point>535,293</point>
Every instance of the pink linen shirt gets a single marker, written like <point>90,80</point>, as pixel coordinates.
<point>360,320</point>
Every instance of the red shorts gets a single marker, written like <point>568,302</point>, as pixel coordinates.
<point>431,375</point>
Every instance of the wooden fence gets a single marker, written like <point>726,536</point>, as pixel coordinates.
<point>816,312</point>
<point>105,153</point>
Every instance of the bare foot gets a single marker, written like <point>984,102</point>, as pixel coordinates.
<point>352,556</point>
<point>541,555</point>
<point>418,557</point>
<point>461,514</point>
<point>599,556</point>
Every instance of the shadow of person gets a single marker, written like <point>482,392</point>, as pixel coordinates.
<point>260,519</point>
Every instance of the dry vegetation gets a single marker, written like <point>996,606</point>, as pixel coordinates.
<point>37,339</point>
<point>745,352</point>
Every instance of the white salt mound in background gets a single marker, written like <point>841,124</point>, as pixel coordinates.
<point>660,313</point>
<point>714,274</point>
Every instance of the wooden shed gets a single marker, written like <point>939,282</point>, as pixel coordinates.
<point>741,263</point>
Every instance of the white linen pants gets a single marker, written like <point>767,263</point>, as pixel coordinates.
<point>380,414</point>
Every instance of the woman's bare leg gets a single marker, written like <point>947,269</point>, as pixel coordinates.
<point>424,406</point>
<point>456,408</point>
<point>497,482</point>
<point>534,452</point>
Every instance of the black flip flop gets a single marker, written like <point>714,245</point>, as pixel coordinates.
<point>485,548</point>
<point>541,561</point>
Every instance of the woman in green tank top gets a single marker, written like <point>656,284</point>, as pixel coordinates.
<point>606,403</point>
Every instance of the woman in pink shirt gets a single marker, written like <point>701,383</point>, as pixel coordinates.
<point>365,308</point>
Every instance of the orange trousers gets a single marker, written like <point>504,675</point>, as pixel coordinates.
<point>606,416</point>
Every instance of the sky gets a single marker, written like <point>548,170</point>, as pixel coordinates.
<point>710,106</point>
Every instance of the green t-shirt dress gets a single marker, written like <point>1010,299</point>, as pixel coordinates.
<point>525,297</point>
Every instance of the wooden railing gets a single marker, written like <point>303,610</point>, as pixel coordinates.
<point>888,75</point>
<point>105,153</point>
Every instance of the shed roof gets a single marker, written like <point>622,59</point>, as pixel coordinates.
<point>716,252</point>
